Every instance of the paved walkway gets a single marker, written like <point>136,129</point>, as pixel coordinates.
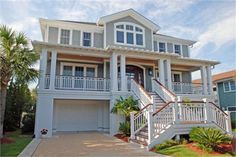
<point>88,144</point>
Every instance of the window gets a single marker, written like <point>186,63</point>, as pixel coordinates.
<point>120,37</point>
<point>67,70</point>
<point>65,36</point>
<point>229,86</point>
<point>162,47</point>
<point>139,39</point>
<point>86,39</point>
<point>130,38</point>
<point>177,49</point>
<point>129,34</point>
<point>79,71</point>
<point>90,72</point>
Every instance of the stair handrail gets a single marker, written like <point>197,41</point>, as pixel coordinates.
<point>162,91</point>
<point>220,117</point>
<point>140,93</point>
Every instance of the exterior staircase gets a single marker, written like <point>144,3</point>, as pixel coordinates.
<point>162,117</point>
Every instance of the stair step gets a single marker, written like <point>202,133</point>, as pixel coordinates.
<point>141,138</point>
<point>144,133</point>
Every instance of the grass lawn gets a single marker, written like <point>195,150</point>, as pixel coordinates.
<point>13,149</point>
<point>184,151</point>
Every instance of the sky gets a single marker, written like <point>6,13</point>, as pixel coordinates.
<point>212,23</point>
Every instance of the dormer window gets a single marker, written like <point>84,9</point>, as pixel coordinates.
<point>129,34</point>
<point>65,37</point>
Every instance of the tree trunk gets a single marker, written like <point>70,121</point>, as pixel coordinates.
<point>3,94</point>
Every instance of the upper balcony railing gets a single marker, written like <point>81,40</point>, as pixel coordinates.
<point>187,88</point>
<point>79,83</point>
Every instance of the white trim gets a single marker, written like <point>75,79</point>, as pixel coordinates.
<point>78,65</point>
<point>133,14</point>
<point>82,38</point>
<point>59,35</point>
<point>129,31</point>
<point>80,60</point>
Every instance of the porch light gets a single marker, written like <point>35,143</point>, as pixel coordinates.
<point>150,72</point>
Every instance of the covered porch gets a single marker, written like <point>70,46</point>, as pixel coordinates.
<point>111,70</point>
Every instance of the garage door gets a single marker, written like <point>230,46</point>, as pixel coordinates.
<point>79,115</point>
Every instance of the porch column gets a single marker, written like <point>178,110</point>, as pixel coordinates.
<point>161,71</point>
<point>53,69</point>
<point>209,79</point>
<point>113,72</point>
<point>43,68</point>
<point>123,73</point>
<point>204,79</point>
<point>168,72</point>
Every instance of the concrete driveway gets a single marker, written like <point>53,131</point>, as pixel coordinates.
<point>88,144</point>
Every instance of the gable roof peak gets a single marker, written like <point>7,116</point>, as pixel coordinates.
<point>129,12</point>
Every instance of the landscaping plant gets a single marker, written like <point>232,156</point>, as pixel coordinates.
<point>208,138</point>
<point>124,107</point>
<point>166,144</point>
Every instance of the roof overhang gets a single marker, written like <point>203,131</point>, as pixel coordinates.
<point>133,14</point>
<point>174,39</point>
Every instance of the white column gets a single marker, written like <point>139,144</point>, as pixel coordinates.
<point>43,68</point>
<point>132,134</point>
<point>168,68</point>
<point>204,79</point>
<point>104,69</point>
<point>209,80</point>
<point>53,69</point>
<point>113,72</point>
<point>161,71</point>
<point>123,73</point>
<point>150,126</point>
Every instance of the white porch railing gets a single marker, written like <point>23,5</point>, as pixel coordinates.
<point>79,83</point>
<point>179,112</point>
<point>162,91</point>
<point>128,81</point>
<point>187,88</point>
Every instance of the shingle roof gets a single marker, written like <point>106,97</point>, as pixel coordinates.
<point>220,76</point>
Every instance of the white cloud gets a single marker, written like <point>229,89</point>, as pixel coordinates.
<point>217,33</point>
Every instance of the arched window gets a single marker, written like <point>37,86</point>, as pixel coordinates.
<point>130,34</point>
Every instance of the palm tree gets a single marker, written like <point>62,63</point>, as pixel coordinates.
<point>16,61</point>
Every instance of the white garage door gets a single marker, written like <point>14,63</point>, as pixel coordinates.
<point>79,115</point>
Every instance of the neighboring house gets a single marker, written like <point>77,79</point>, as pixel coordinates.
<point>224,87</point>
<point>85,67</point>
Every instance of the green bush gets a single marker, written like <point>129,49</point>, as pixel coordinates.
<point>166,144</point>
<point>125,128</point>
<point>28,123</point>
<point>208,138</point>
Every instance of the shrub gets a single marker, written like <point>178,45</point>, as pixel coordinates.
<point>233,123</point>
<point>166,144</point>
<point>208,138</point>
<point>28,123</point>
<point>125,128</point>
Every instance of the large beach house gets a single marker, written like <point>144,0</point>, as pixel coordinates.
<point>85,67</point>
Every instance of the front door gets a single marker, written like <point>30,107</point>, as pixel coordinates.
<point>136,73</point>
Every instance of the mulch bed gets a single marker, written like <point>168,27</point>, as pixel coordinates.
<point>122,137</point>
<point>7,140</point>
<point>222,149</point>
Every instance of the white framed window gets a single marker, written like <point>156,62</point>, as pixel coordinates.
<point>176,77</point>
<point>162,47</point>
<point>65,36</point>
<point>87,39</point>
<point>130,34</point>
<point>229,86</point>
<point>177,49</point>
<point>78,70</point>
